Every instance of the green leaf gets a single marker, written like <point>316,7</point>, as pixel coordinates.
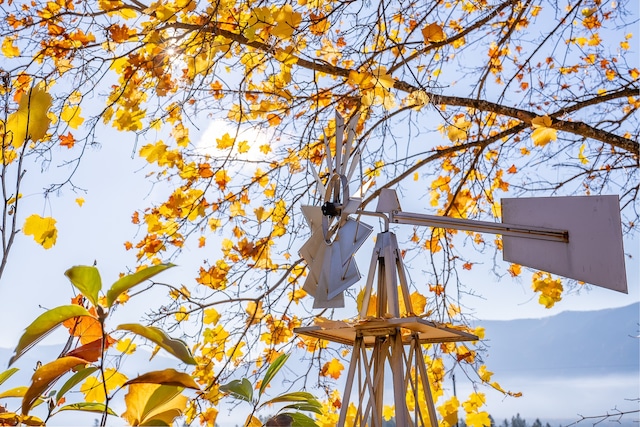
<point>87,407</point>
<point>44,324</point>
<point>7,374</point>
<point>301,420</point>
<point>45,376</point>
<point>131,280</point>
<point>87,280</point>
<point>163,395</point>
<point>240,389</point>
<point>166,377</point>
<point>14,392</point>
<point>174,346</point>
<point>74,380</point>
<point>296,396</point>
<point>306,406</point>
<point>272,371</point>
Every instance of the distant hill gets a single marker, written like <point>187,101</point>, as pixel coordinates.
<point>568,344</point>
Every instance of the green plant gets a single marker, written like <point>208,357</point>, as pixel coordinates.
<point>153,398</point>
<point>296,401</point>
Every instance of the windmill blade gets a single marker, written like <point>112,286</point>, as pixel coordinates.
<point>350,277</point>
<point>351,133</point>
<point>360,192</point>
<point>327,154</point>
<point>354,164</point>
<point>350,237</point>
<point>314,248</point>
<point>313,216</point>
<point>344,271</point>
<point>319,185</point>
<point>327,276</point>
<point>339,138</point>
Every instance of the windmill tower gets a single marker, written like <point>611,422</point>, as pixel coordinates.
<point>581,238</point>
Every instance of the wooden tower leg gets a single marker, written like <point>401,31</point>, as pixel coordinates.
<point>388,343</point>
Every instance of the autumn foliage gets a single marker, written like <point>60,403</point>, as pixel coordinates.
<point>458,102</point>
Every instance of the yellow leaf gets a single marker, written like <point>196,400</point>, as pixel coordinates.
<point>550,289</point>
<point>211,316</point>
<point>43,230</point>
<point>80,201</point>
<point>252,421</point>
<point>31,120</point>
<point>480,419</point>
<point>418,303</point>
<point>581,155</point>
<point>125,346</point>
<point>214,223</point>
<point>449,412</point>
<point>484,374</point>
<point>182,314</point>
<point>418,99</point>
<point>458,130</point>
<point>93,388</point>
<point>222,178</point>
<point>153,404</point>
<point>226,141</point>
<point>265,148</point>
<point>388,412</point>
<point>287,21</point>
<point>542,133</point>
<point>243,147</point>
<point>71,115</point>
<point>254,310</point>
<point>476,400</point>
<point>260,213</point>
<point>9,49</point>
<point>332,369</point>
<point>433,33</point>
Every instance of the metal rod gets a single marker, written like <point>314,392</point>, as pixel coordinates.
<point>525,231</point>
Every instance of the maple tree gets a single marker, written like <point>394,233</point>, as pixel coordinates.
<point>472,99</point>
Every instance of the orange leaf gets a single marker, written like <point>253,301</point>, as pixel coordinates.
<point>92,351</point>
<point>204,170</point>
<point>67,140</point>
<point>87,328</point>
<point>45,376</point>
<point>433,33</point>
<point>515,270</point>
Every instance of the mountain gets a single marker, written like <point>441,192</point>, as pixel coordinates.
<point>568,367</point>
<point>568,344</point>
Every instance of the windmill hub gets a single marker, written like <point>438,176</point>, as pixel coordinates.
<point>331,209</point>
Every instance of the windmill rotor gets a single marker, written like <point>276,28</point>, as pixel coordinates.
<point>335,235</point>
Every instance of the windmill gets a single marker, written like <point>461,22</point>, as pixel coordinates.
<point>577,237</point>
